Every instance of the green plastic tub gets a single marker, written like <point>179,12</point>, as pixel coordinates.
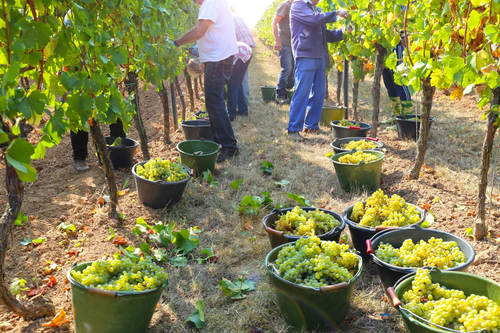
<point>307,308</point>
<point>199,155</point>
<point>353,177</point>
<point>331,113</point>
<point>468,283</point>
<point>289,93</point>
<point>268,93</point>
<point>104,311</point>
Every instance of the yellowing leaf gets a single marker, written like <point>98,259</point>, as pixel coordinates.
<point>458,92</point>
<point>120,193</point>
<point>58,320</point>
<point>489,68</point>
<point>390,19</point>
<point>261,152</point>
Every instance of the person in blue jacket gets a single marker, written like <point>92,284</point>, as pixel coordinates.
<point>310,50</point>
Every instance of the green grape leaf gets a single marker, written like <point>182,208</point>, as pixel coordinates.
<point>141,227</point>
<point>235,184</point>
<point>300,200</point>
<point>20,218</point>
<point>429,219</point>
<point>179,261</point>
<point>20,150</point>
<point>469,232</point>
<point>145,248</point>
<point>12,73</point>
<point>28,176</point>
<point>249,205</point>
<point>66,227</point>
<point>282,183</point>
<point>493,33</point>
<point>17,286</point>
<point>112,232</point>
<point>36,35</point>
<point>118,56</point>
<point>267,167</point>
<point>198,316</point>
<point>208,252</point>
<point>185,242</point>
<point>160,255</point>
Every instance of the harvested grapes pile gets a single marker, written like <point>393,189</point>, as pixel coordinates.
<point>161,169</point>
<point>347,123</point>
<point>361,144</point>
<point>299,222</point>
<point>434,253</point>
<point>358,157</point>
<point>380,210</point>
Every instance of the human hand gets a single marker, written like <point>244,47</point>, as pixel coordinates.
<point>349,29</point>
<point>343,13</point>
<point>277,46</point>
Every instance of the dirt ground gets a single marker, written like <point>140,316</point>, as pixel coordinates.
<point>61,194</point>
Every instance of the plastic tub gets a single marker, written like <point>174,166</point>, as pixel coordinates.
<point>337,143</point>
<point>307,308</point>
<point>390,274</point>
<point>344,132</point>
<point>197,129</point>
<point>360,234</point>
<point>331,113</point>
<point>268,93</point>
<point>289,93</point>
<point>199,155</point>
<point>122,157</point>
<point>358,176</point>
<point>159,194</point>
<point>409,129</point>
<point>105,311</point>
<point>468,283</point>
<point>278,238</point>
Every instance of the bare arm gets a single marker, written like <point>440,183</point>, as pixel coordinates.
<point>274,25</point>
<point>195,33</point>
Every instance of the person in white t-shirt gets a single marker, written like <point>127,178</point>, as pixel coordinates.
<point>217,46</point>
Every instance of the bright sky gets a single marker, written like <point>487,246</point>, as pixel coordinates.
<point>250,10</point>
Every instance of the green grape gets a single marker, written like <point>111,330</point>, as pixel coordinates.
<point>434,253</point>
<point>122,274</point>
<point>347,123</point>
<point>163,170</point>
<point>315,263</point>
<point>301,223</point>
<point>413,119</point>
<point>117,142</point>
<point>382,210</point>
<point>450,307</point>
<point>360,144</point>
<point>203,115</point>
<point>358,157</point>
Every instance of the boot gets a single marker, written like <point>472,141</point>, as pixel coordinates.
<point>395,110</point>
<point>407,107</point>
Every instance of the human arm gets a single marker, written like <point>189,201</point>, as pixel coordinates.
<point>195,33</point>
<point>304,14</point>
<point>274,25</point>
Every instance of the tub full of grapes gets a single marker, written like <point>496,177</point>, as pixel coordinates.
<point>201,115</point>
<point>379,213</point>
<point>358,170</point>
<point>288,225</point>
<point>344,145</point>
<point>117,295</point>
<point>314,281</point>
<point>160,182</point>
<point>346,128</point>
<point>400,252</point>
<point>444,301</point>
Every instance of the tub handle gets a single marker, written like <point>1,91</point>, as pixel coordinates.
<point>338,286</point>
<point>107,293</point>
<point>355,127</point>
<point>372,139</point>
<point>274,232</point>
<point>395,300</point>
<point>369,247</point>
<point>384,228</point>
<point>191,172</point>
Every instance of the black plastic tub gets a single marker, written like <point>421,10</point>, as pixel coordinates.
<point>344,132</point>
<point>360,234</point>
<point>122,157</point>
<point>409,129</point>
<point>197,129</point>
<point>390,274</point>
<point>159,194</point>
<point>278,238</point>
<point>338,142</point>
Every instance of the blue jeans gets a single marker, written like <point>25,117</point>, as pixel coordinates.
<point>286,79</point>
<point>235,94</point>
<point>394,89</point>
<point>245,88</point>
<point>309,93</point>
<point>216,76</point>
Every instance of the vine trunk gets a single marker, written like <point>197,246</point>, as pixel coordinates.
<point>132,83</point>
<point>379,66</point>
<point>355,94</point>
<point>166,119</point>
<point>189,85</point>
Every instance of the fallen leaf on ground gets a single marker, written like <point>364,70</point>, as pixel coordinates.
<point>33,291</point>
<point>52,281</point>
<point>119,240</point>
<point>248,225</point>
<point>58,320</point>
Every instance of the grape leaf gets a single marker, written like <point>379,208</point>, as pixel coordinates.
<point>198,316</point>
<point>300,200</point>
<point>236,184</point>
<point>185,242</point>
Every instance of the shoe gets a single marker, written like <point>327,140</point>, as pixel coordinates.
<point>312,130</point>
<point>391,128</point>
<point>295,136</point>
<point>226,154</point>
<point>81,165</point>
<point>282,100</point>
<point>231,118</point>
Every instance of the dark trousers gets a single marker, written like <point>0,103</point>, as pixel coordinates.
<point>80,139</point>
<point>394,89</point>
<point>235,94</point>
<point>217,74</point>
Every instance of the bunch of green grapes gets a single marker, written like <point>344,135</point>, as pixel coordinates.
<point>347,123</point>
<point>301,223</point>
<point>450,307</point>
<point>315,263</point>
<point>360,144</point>
<point>203,115</point>
<point>382,210</point>
<point>413,119</point>
<point>358,157</point>
<point>122,274</point>
<point>434,253</point>
<point>163,170</point>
